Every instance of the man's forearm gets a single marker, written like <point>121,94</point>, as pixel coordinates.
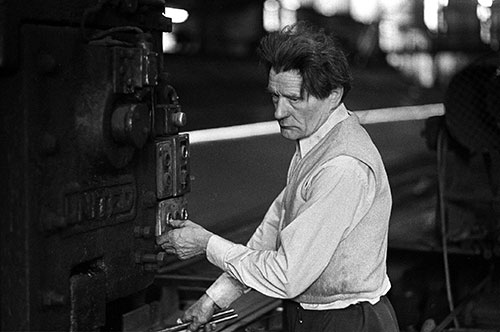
<point>225,290</point>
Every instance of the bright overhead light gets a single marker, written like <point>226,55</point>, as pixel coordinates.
<point>271,15</point>
<point>431,14</point>
<point>330,8</point>
<point>290,4</point>
<point>485,3</point>
<point>176,14</point>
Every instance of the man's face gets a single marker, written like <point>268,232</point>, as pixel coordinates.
<point>299,114</point>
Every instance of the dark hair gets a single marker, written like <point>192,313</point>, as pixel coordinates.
<point>317,56</point>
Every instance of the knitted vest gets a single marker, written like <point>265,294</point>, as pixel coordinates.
<point>357,269</point>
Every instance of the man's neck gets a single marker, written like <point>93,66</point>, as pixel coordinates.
<point>306,144</point>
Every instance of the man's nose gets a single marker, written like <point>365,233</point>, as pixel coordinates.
<point>280,109</point>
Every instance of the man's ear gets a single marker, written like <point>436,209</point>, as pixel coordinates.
<point>336,97</point>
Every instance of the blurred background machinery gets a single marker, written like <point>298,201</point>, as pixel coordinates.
<point>467,144</point>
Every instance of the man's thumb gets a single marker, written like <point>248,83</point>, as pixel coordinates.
<point>161,239</point>
<point>177,223</point>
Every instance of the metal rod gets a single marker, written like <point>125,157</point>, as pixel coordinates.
<point>222,313</point>
<point>223,319</point>
<point>219,317</point>
<point>381,115</point>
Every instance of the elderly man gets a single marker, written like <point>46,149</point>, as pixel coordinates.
<point>322,244</point>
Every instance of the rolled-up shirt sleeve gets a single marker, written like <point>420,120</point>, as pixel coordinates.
<point>225,290</point>
<point>337,196</point>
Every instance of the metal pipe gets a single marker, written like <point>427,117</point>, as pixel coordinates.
<point>382,115</point>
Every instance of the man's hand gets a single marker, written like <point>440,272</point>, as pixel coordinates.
<point>200,313</point>
<point>186,240</point>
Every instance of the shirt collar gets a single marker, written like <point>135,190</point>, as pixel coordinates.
<point>305,145</point>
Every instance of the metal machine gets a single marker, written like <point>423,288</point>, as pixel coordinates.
<point>92,160</point>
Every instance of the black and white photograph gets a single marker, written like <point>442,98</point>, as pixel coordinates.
<point>250,165</point>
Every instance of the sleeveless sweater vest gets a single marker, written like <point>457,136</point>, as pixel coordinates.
<point>358,267</point>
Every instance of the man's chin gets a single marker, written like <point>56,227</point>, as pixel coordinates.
<point>289,134</point>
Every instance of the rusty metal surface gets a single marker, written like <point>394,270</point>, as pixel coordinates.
<point>79,161</point>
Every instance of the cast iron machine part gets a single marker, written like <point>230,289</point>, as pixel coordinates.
<point>94,161</point>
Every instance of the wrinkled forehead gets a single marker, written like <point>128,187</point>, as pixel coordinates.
<point>289,82</point>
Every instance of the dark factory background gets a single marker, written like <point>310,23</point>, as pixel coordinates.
<point>104,108</point>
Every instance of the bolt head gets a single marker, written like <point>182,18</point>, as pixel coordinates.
<point>179,119</point>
